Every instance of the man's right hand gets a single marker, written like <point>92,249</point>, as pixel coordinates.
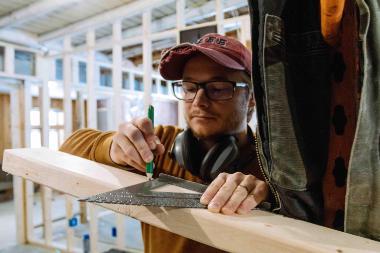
<point>134,144</point>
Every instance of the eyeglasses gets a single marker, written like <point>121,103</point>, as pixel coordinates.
<point>215,90</point>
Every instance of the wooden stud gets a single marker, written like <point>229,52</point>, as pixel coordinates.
<point>120,228</point>
<point>29,189</point>
<point>117,55</point>
<point>9,57</point>
<point>91,94</point>
<point>43,67</point>
<point>147,59</point>
<point>20,209</point>
<point>67,84</point>
<point>69,230</point>
<point>219,16</point>
<point>5,123</point>
<point>93,228</point>
<point>46,199</point>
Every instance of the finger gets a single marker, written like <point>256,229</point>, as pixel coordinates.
<point>146,127</point>
<point>225,192</point>
<point>116,154</point>
<point>247,205</point>
<point>240,193</point>
<point>249,183</point>
<point>137,139</point>
<point>129,150</point>
<point>124,153</point>
<point>213,188</point>
<point>144,124</point>
<point>258,194</point>
<point>136,165</point>
<point>160,149</point>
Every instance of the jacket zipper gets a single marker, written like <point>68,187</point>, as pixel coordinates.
<point>276,196</point>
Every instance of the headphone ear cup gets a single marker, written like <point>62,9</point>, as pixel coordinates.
<point>185,152</point>
<point>219,159</point>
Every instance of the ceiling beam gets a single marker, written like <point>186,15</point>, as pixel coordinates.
<point>205,11</point>
<point>94,22</point>
<point>20,38</point>
<point>166,23</point>
<point>32,11</point>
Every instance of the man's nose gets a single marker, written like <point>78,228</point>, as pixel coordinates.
<point>201,99</point>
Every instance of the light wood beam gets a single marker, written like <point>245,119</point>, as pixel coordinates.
<point>259,231</point>
<point>147,58</point>
<point>67,86</point>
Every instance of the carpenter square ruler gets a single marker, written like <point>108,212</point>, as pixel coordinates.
<point>143,194</point>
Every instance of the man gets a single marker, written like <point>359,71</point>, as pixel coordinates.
<point>217,91</point>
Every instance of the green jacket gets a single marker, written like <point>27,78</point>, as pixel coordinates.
<point>293,94</point>
<point>363,191</point>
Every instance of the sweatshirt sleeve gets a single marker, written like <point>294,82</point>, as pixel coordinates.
<point>90,144</point>
<point>331,17</point>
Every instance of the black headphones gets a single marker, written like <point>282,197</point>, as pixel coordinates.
<point>220,158</point>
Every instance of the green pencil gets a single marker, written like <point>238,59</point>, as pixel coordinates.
<point>149,166</point>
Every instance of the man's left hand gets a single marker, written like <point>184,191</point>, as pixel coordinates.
<point>234,193</point>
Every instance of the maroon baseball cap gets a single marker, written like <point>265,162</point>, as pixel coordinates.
<point>224,50</point>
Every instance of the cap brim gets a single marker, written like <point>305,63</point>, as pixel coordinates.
<point>172,67</point>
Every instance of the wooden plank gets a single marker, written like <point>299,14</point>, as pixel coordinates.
<point>91,94</point>
<point>46,198</point>
<point>83,212</point>
<point>147,58</point>
<point>20,210</point>
<point>29,188</point>
<point>263,231</point>
<point>117,55</point>
<point>67,87</point>
<point>15,119</point>
<point>43,72</point>
<point>9,67</point>
<point>5,124</point>
<point>219,16</point>
<point>26,106</point>
<point>69,230</point>
<point>93,228</point>
<point>120,231</point>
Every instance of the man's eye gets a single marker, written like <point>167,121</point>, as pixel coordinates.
<point>216,90</point>
<point>190,89</point>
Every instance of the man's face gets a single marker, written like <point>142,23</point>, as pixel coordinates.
<point>208,118</point>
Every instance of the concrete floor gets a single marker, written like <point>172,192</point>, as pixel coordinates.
<point>8,225</point>
<point>106,223</point>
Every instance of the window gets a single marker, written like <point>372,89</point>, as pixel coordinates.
<point>24,63</point>
<point>56,128</point>
<point>1,58</point>
<point>82,66</point>
<point>154,86</point>
<point>139,83</point>
<point>35,133</point>
<point>126,81</point>
<point>105,77</point>
<point>164,87</point>
<point>58,69</point>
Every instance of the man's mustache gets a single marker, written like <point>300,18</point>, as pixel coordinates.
<point>199,113</point>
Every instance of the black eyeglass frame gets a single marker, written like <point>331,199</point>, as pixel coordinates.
<point>201,85</point>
